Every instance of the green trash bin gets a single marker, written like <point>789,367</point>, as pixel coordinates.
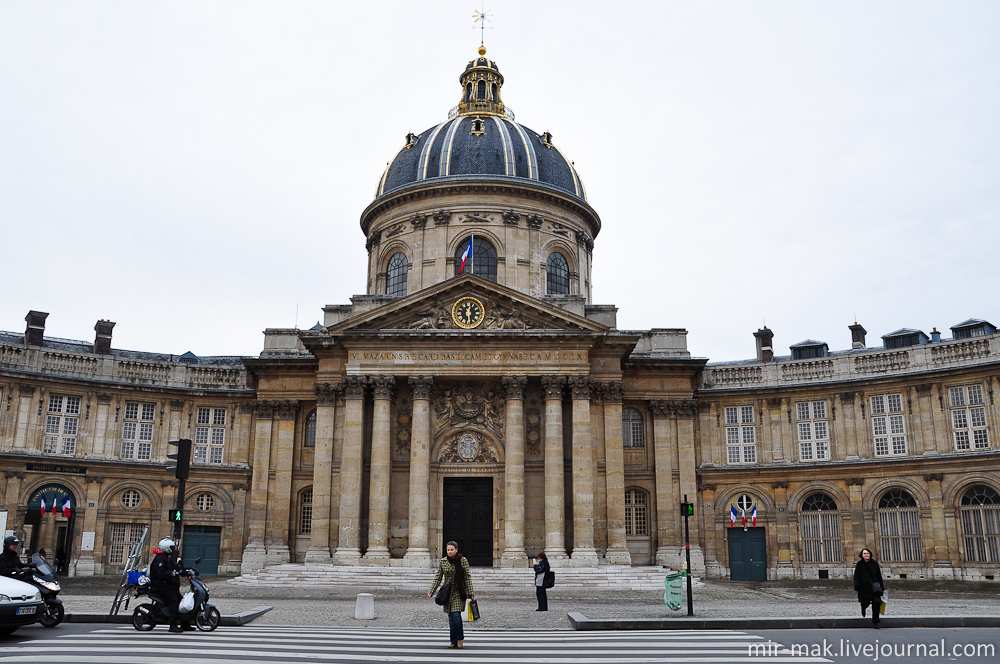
<point>673,595</point>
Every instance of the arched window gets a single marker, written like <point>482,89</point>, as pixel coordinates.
<point>468,92</point>
<point>820,529</point>
<point>635,512</point>
<point>395,276</point>
<point>980,512</point>
<point>493,92</point>
<point>306,512</point>
<point>632,428</point>
<point>899,527</point>
<point>481,91</point>
<point>310,437</point>
<point>557,275</point>
<point>482,263</point>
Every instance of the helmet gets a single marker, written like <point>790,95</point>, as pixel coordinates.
<point>166,545</point>
<point>9,540</point>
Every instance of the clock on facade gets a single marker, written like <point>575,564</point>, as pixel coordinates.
<point>468,313</point>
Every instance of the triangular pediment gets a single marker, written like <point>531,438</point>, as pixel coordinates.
<point>431,309</point>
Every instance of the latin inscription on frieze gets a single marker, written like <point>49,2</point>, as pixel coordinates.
<point>471,358</point>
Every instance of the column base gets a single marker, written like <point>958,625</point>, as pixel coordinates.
<point>319,554</point>
<point>785,570</point>
<point>85,566</point>
<point>417,557</point>
<point>254,558</point>
<point>346,555</point>
<point>618,556</point>
<point>278,554</point>
<point>585,557</point>
<point>556,553</point>
<point>377,556</point>
<point>674,557</point>
<point>514,557</point>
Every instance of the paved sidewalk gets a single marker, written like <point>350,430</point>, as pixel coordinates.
<point>513,609</point>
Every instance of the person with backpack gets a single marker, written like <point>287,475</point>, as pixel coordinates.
<point>541,572</point>
<point>454,570</point>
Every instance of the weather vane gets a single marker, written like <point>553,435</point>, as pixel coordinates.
<point>481,17</point>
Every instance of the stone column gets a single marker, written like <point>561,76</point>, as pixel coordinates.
<point>417,552</point>
<point>685,410</point>
<point>381,469</point>
<point>348,544</point>
<point>101,446</point>
<point>280,540</point>
<point>555,469</point>
<point>583,475</point>
<point>668,539</point>
<point>513,553</point>
<point>936,545</point>
<point>26,394</point>
<point>326,410</point>
<point>614,471</point>
<point>255,553</point>
<point>786,570</point>
<point>86,565</point>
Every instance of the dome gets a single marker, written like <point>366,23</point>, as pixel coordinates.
<point>480,140</point>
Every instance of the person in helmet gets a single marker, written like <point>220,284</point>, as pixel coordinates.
<point>165,582</point>
<point>10,563</point>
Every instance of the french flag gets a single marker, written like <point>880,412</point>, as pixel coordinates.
<point>465,256</point>
<point>66,508</point>
<point>753,516</point>
<point>43,505</point>
<point>743,513</point>
<point>732,516</point>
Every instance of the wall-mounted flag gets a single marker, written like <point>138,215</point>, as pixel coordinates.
<point>753,516</point>
<point>66,507</point>
<point>43,505</point>
<point>732,516</point>
<point>465,256</point>
<point>743,514</point>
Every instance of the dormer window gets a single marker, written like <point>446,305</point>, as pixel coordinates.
<point>809,349</point>
<point>904,338</point>
<point>973,328</point>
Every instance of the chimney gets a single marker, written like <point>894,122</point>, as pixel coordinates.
<point>935,335</point>
<point>857,335</point>
<point>102,342</point>
<point>764,350</point>
<point>35,330</point>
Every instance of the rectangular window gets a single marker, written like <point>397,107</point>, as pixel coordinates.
<point>61,425</point>
<point>635,512</point>
<point>210,435</point>
<point>741,440</point>
<point>814,442</point>
<point>968,418</point>
<point>889,433</point>
<point>137,431</point>
<point>123,538</point>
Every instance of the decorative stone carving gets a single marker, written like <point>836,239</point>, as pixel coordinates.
<point>780,484</point>
<point>532,428</point>
<point>421,386</point>
<point>404,425</point>
<point>468,447</point>
<point>437,317</point>
<point>327,393</point>
<point>614,391</point>
<point>166,483</point>
<point>19,474</point>
<point>585,240</point>
<point>477,218</point>
<point>706,487</point>
<point>104,398</point>
<point>264,410</point>
<point>934,477</point>
<point>559,229</point>
<point>511,217</point>
<point>382,386</point>
<point>684,409</point>
<point>924,389</point>
<point>846,397</point>
<point>354,387</point>
<point>854,481</point>
<point>501,318</point>
<point>467,404</point>
<point>441,217</point>
<point>581,386</point>
<point>27,390</point>
<point>95,479</point>
<point>514,386</point>
<point>241,486</point>
<point>774,403</point>
<point>373,240</point>
<point>394,230</point>
<point>418,221</point>
<point>286,410</point>
<point>178,404</point>
<point>553,386</point>
<point>660,409</point>
<point>535,221</point>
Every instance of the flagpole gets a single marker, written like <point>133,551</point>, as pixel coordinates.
<point>472,252</point>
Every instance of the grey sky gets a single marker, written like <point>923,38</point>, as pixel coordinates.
<point>194,170</point>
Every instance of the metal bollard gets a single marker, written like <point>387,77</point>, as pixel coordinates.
<point>365,608</point>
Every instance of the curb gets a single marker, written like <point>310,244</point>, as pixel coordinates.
<point>580,622</point>
<point>126,619</point>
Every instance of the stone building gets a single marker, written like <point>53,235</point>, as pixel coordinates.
<point>477,393</point>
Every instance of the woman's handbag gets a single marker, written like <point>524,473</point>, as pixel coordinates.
<point>473,610</point>
<point>442,594</point>
<point>877,587</point>
<point>550,579</point>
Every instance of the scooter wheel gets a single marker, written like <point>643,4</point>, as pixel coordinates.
<point>52,615</point>
<point>208,619</point>
<point>142,618</point>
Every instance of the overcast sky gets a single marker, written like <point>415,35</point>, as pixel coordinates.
<point>196,171</point>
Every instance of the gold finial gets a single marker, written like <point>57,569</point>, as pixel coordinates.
<point>481,17</point>
<point>482,50</point>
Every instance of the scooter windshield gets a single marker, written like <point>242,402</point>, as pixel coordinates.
<point>41,565</point>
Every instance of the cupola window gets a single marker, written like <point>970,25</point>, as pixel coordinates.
<point>482,263</point>
<point>557,275</point>
<point>395,276</point>
<point>481,91</point>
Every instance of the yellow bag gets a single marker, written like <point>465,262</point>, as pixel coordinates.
<point>471,610</point>
<point>885,600</point>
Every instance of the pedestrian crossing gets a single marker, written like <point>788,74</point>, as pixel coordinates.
<point>316,645</point>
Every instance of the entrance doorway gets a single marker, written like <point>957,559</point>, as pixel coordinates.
<point>468,517</point>
<point>202,542</point>
<point>747,554</point>
<point>48,525</point>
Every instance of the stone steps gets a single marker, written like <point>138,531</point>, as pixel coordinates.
<point>418,579</point>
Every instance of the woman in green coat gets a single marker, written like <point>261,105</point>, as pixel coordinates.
<point>454,569</point>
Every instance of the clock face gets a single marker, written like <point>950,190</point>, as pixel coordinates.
<point>468,312</point>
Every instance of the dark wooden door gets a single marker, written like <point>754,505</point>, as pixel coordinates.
<point>468,517</point>
<point>747,554</point>
<point>202,542</point>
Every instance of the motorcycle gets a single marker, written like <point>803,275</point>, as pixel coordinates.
<point>39,574</point>
<point>204,615</point>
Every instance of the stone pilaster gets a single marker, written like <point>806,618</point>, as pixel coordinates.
<point>326,410</point>
<point>668,538</point>
<point>101,446</point>
<point>786,570</point>
<point>86,564</point>
<point>381,468</point>
<point>936,548</point>
<point>584,552</point>
<point>26,395</point>
<point>255,552</point>
<point>555,469</point>
<point>348,543</point>
<point>280,536</point>
<point>614,460</point>
<point>417,552</point>
<point>513,553</point>
<point>685,411</point>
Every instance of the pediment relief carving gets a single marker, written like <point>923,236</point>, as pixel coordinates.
<point>468,447</point>
<point>469,404</point>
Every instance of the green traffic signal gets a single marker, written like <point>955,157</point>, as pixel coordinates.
<point>687,509</point>
<point>175,515</point>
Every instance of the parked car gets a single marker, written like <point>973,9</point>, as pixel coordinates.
<point>20,604</point>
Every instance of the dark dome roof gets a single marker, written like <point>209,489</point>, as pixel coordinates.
<point>470,146</point>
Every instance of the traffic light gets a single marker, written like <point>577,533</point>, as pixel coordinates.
<point>175,516</point>
<point>687,509</point>
<point>181,458</point>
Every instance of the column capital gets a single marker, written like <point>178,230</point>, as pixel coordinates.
<point>382,386</point>
<point>421,386</point>
<point>27,390</point>
<point>327,393</point>
<point>681,409</point>
<point>514,386</point>
<point>660,409</point>
<point>19,474</point>
<point>613,391</point>
<point>581,386</point>
<point>104,397</point>
<point>263,409</point>
<point>286,409</point>
<point>354,387</point>
<point>553,386</point>
<point>178,404</point>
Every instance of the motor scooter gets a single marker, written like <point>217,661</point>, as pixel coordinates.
<point>39,574</point>
<point>204,615</point>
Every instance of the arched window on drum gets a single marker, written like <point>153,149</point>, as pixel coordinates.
<point>899,527</point>
<point>980,512</point>
<point>482,262</point>
<point>395,275</point>
<point>820,521</point>
<point>557,275</point>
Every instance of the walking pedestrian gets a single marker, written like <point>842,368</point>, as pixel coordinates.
<point>868,582</point>
<point>454,570</point>
<point>541,569</point>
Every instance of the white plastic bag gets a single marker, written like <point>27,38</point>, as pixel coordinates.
<point>187,604</point>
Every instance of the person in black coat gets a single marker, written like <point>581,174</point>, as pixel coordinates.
<point>10,563</point>
<point>541,569</point>
<point>868,582</point>
<point>165,582</point>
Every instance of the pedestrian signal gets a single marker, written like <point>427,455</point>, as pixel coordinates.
<point>687,509</point>
<point>175,516</point>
